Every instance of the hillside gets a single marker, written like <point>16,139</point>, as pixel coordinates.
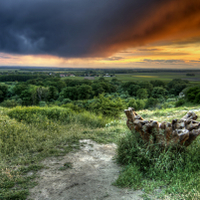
<point>39,144</point>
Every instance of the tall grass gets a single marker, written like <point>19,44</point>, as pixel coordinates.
<point>29,134</point>
<point>148,167</point>
<point>57,115</point>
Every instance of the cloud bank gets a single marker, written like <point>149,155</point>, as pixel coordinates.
<point>88,28</point>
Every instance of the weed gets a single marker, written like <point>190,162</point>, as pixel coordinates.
<point>67,165</point>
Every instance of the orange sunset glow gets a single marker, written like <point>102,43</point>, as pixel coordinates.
<point>140,34</point>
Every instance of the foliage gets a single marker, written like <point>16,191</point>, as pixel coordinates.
<point>56,114</point>
<point>3,91</point>
<point>180,102</point>
<point>192,94</point>
<point>151,102</point>
<point>176,86</point>
<point>157,83</point>
<point>159,92</point>
<point>142,93</point>
<point>136,104</point>
<point>9,103</point>
<point>107,106</point>
<point>85,92</point>
<point>53,90</point>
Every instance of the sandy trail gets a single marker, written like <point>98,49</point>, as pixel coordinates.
<point>90,178</point>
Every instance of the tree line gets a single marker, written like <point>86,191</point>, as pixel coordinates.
<point>87,94</point>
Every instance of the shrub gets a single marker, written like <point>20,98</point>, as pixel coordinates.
<point>159,92</point>
<point>151,102</point>
<point>180,102</point>
<point>140,104</point>
<point>142,93</point>
<point>107,106</point>
<point>197,98</point>
<point>132,103</point>
<point>42,104</point>
<point>136,104</point>
<point>9,103</point>
<point>56,114</point>
<point>191,93</point>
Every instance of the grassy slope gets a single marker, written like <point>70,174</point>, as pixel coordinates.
<point>28,135</point>
<point>176,172</point>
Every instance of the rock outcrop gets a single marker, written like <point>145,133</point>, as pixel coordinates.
<point>177,133</point>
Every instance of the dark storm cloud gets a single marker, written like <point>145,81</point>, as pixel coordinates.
<point>149,50</point>
<point>88,28</point>
<point>163,61</point>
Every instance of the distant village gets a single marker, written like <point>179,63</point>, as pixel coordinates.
<point>86,76</point>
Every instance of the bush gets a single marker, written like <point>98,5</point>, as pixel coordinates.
<point>132,103</point>
<point>42,104</point>
<point>140,104</point>
<point>180,102</point>
<point>136,104</point>
<point>142,93</point>
<point>159,92</point>
<point>56,114</point>
<point>9,103</point>
<point>192,92</point>
<point>107,106</point>
<point>151,103</point>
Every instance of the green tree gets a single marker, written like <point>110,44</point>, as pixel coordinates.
<point>97,88</point>
<point>151,102</point>
<point>157,83</point>
<point>159,92</point>
<point>70,92</point>
<point>53,93</point>
<point>132,90</point>
<point>142,93</point>
<point>42,93</point>
<point>85,92</point>
<point>146,85</point>
<point>176,86</point>
<point>107,106</point>
<point>3,91</point>
<point>192,94</point>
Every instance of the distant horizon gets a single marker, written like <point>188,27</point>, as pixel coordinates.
<point>138,69</point>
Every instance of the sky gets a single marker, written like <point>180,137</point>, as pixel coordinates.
<point>101,34</point>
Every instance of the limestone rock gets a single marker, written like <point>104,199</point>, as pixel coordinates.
<point>177,133</point>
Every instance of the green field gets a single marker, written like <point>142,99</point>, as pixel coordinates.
<point>164,76</point>
<point>122,75</point>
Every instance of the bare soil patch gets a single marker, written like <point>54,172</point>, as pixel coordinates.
<point>87,174</point>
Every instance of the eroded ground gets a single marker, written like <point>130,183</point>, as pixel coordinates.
<point>90,177</point>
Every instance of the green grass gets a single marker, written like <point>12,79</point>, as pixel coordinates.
<point>30,134</point>
<point>163,76</point>
<point>175,172</point>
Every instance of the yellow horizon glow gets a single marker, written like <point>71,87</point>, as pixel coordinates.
<point>187,55</point>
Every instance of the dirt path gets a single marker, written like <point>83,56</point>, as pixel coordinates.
<point>90,178</point>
